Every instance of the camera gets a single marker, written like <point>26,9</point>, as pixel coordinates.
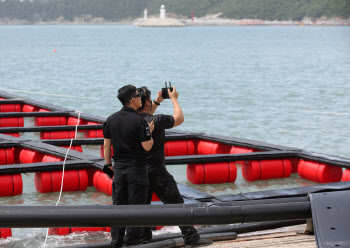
<point>165,90</point>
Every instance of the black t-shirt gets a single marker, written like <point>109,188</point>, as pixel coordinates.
<point>156,158</point>
<point>127,129</point>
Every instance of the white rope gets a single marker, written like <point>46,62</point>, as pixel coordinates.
<point>64,165</point>
<point>38,93</point>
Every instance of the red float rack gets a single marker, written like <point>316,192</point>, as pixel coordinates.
<point>318,172</point>
<point>225,172</point>
<point>266,169</point>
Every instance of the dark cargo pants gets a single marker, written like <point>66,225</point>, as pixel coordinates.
<point>163,184</point>
<point>129,188</point>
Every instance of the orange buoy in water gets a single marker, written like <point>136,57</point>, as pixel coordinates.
<point>266,169</point>
<point>93,133</point>
<point>10,107</point>
<point>11,185</point>
<point>320,173</point>
<point>179,148</point>
<point>30,108</point>
<point>73,121</point>
<point>57,135</point>
<point>68,230</point>
<point>103,183</point>
<point>346,175</point>
<point>12,122</point>
<point>208,147</point>
<point>27,156</point>
<point>6,156</point>
<point>5,232</point>
<point>74,180</point>
<point>211,173</point>
<point>50,120</point>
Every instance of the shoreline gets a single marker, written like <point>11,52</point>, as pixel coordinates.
<point>203,21</point>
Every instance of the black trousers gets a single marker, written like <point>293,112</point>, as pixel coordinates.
<point>129,188</point>
<point>163,184</point>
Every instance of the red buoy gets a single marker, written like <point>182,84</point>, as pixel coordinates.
<point>179,148</point>
<point>320,173</point>
<point>10,108</point>
<point>6,156</point>
<point>103,183</point>
<point>211,173</point>
<point>12,122</point>
<point>72,121</point>
<point>91,172</point>
<point>238,150</point>
<point>30,108</point>
<point>5,232</point>
<point>209,147</point>
<point>346,175</point>
<point>74,180</point>
<point>50,120</point>
<point>57,135</point>
<point>93,133</point>
<point>59,231</point>
<point>27,156</point>
<point>266,169</point>
<point>68,230</point>
<point>11,185</point>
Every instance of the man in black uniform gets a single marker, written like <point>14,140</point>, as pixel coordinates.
<point>130,136</point>
<point>161,182</point>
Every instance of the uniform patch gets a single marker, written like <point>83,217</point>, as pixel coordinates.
<point>148,132</point>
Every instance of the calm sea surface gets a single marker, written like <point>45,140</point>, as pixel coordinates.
<point>281,85</point>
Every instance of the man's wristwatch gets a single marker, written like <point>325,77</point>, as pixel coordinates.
<point>156,103</point>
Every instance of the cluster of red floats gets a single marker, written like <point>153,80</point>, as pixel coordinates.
<point>79,180</point>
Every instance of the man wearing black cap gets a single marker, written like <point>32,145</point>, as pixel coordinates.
<point>131,136</point>
<point>161,182</point>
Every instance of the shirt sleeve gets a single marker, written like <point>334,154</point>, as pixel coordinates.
<point>164,121</point>
<point>106,133</point>
<point>143,130</point>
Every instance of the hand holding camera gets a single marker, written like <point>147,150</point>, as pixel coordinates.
<point>166,90</point>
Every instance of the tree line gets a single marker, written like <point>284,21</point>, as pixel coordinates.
<point>117,10</point>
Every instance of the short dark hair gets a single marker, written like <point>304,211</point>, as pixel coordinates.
<point>125,94</point>
<point>145,94</point>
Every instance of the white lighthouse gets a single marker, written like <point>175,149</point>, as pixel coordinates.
<point>145,14</point>
<point>162,12</point>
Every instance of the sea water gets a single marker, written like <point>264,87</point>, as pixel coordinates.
<point>281,85</point>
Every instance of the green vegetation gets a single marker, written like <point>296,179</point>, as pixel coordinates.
<point>116,10</point>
